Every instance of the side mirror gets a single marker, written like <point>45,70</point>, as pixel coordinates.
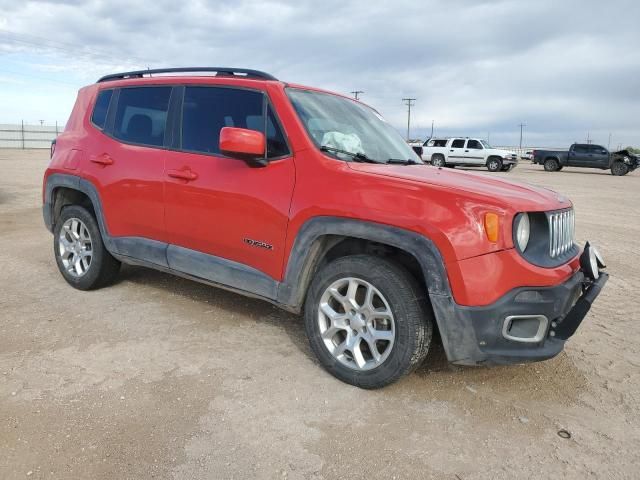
<point>245,144</point>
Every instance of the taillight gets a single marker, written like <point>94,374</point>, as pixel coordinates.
<point>53,148</point>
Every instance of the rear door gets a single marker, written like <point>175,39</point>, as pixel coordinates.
<point>578,155</point>
<point>223,207</point>
<point>126,161</point>
<point>456,151</point>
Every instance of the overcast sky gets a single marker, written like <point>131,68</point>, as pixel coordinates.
<point>567,69</point>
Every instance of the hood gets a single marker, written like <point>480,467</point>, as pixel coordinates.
<point>492,191</point>
<point>502,152</point>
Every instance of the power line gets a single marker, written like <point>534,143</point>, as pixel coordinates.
<point>522,125</point>
<point>409,103</point>
<point>35,41</point>
<point>356,94</point>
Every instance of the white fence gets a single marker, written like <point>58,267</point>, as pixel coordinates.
<point>23,135</point>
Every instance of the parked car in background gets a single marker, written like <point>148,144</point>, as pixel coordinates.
<point>588,156</point>
<point>468,152</point>
<point>527,155</point>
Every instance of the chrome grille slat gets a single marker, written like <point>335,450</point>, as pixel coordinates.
<point>561,232</point>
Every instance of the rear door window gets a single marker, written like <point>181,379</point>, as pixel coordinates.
<point>141,116</point>
<point>99,115</point>
<point>207,110</point>
<point>580,149</point>
<point>457,143</point>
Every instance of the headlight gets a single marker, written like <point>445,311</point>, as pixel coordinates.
<point>523,230</point>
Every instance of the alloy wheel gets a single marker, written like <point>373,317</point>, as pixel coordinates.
<point>75,247</point>
<point>356,323</point>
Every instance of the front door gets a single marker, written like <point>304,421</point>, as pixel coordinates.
<point>219,206</point>
<point>474,153</point>
<point>598,156</point>
<point>579,156</point>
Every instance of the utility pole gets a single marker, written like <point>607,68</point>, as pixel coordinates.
<point>522,125</point>
<point>356,94</point>
<point>431,129</point>
<point>588,139</point>
<point>409,103</point>
<point>609,144</point>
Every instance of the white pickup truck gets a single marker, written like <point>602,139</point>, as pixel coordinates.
<point>468,152</point>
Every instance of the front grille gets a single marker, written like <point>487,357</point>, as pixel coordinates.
<point>561,232</point>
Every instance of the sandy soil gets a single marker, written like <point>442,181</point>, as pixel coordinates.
<point>159,377</point>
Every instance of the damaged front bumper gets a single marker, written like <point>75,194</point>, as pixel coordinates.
<point>527,324</point>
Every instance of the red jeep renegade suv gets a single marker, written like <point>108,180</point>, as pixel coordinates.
<point>311,201</point>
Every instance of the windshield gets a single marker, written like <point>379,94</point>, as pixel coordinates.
<point>336,123</point>
<point>486,144</point>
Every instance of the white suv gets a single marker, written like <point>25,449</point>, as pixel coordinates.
<point>468,152</point>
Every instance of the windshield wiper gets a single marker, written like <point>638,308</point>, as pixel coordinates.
<point>400,161</point>
<point>357,157</point>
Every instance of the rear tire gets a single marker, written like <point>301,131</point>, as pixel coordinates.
<point>494,164</point>
<point>82,259</point>
<point>619,168</point>
<point>359,303</point>
<point>551,165</point>
<point>438,160</point>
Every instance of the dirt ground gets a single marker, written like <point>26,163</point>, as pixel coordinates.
<point>160,377</point>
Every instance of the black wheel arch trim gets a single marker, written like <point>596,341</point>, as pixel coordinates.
<point>319,234</point>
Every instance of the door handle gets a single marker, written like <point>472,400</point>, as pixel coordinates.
<point>187,175</point>
<point>451,150</point>
<point>466,151</point>
<point>103,159</point>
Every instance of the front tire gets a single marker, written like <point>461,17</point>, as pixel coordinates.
<point>619,168</point>
<point>367,320</point>
<point>82,259</point>
<point>494,164</point>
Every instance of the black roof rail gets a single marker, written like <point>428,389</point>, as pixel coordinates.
<point>219,71</point>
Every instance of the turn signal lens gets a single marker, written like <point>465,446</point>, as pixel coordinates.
<point>491,226</point>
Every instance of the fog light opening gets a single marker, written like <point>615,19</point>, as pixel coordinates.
<point>525,328</point>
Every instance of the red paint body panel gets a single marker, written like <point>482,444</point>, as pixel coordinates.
<point>228,202</point>
<point>212,203</point>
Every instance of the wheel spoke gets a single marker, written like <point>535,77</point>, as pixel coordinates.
<point>357,353</point>
<point>329,312</point>
<point>373,348</point>
<point>386,335</point>
<point>351,292</point>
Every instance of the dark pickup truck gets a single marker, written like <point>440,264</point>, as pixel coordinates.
<point>589,156</point>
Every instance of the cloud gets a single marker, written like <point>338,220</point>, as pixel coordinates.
<point>563,68</point>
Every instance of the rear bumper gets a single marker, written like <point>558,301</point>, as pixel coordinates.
<point>480,336</point>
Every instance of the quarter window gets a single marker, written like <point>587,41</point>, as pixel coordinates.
<point>141,116</point>
<point>457,143</point>
<point>99,115</point>
<point>207,110</point>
